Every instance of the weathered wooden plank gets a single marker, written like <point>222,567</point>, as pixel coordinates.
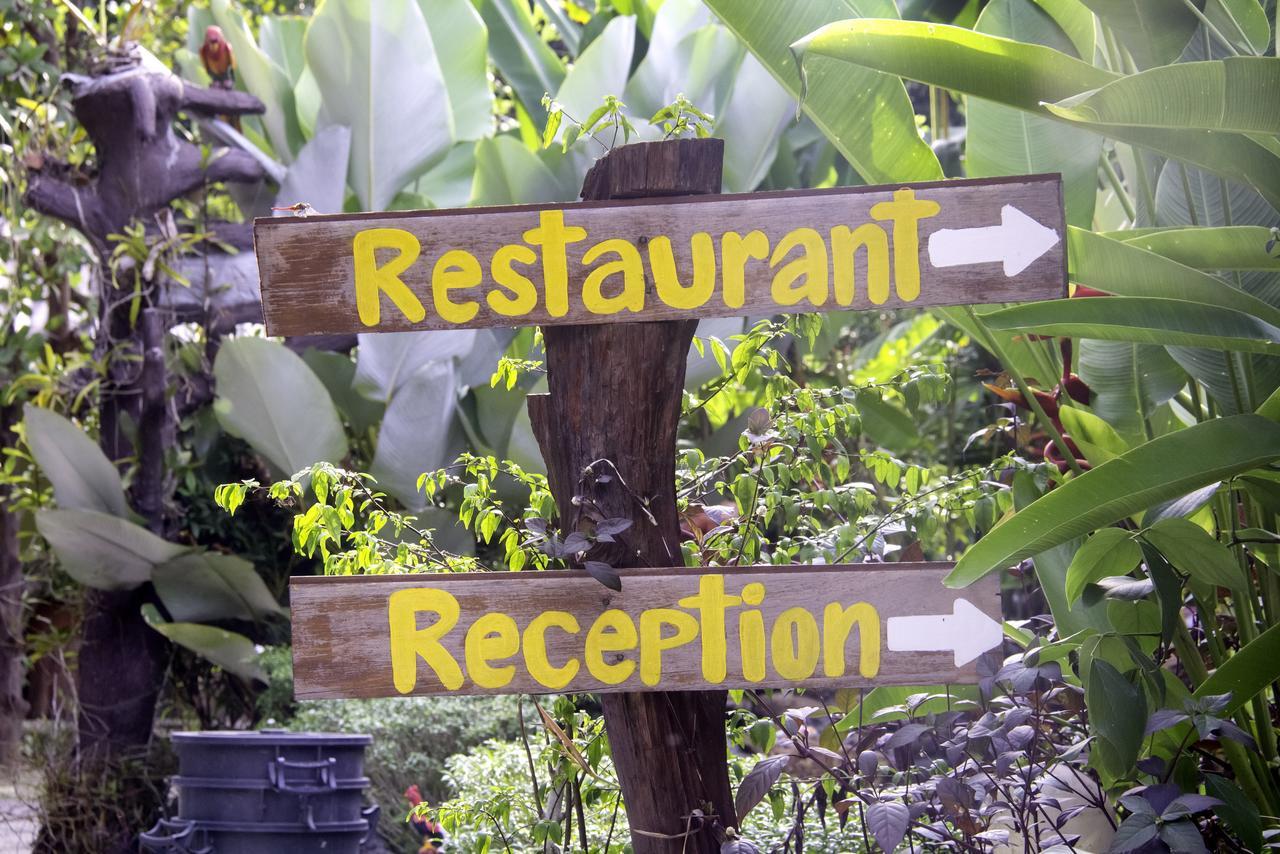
<point>937,243</point>
<point>668,629</point>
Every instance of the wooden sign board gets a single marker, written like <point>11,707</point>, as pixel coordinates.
<point>668,629</point>
<point>939,243</point>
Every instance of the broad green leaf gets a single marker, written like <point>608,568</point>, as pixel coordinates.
<point>1142,319</point>
<point>462,48</point>
<point>1002,140</point>
<point>1152,31</point>
<point>282,38</point>
<point>232,652</point>
<point>200,587</point>
<point>102,551</point>
<point>379,74</point>
<point>1129,381</point>
<point>318,175</point>
<point>1026,76</point>
<point>338,373</point>
<point>885,423</point>
<point>1225,95</point>
<point>1254,668</point>
<point>270,398</point>
<point>1240,247</point>
<point>82,476</point>
<point>1110,551</point>
<point>1095,437</point>
<point>263,78</point>
<point>601,70</point>
<point>1117,714</point>
<point>751,124</point>
<point>507,173</point>
<point>523,59</point>
<point>1243,22</point>
<point>1167,467</point>
<point>414,436</point>
<point>1236,810</point>
<point>1076,21</point>
<point>866,115</point>
<point>1195,552</point>
<point>388,360</point>
<point>680,60</point>
<point>1128,270</point>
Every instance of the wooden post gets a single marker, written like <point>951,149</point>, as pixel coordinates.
<point>607,430</point>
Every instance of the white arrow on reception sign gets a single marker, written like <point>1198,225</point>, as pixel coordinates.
<point>966,631</point>
<point>1017,241</point>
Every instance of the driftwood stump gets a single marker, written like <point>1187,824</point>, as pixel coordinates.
<point>607,430</point>
<point>141,166</point>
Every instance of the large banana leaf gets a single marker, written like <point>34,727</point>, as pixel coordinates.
<point>82,476</point>
<point>1242,22</point>
<point>1025,76</point>
<point>270,398</point>
<point>524,60</point>
<point>1128,270</point>
<point>507,173</point>
<point>386,361</point>
<point>233,652</point>
<point>1254,668</point>
<point>414,436</point>
<point>1003,140</point>
<point>1149,320</point>
<point>1166,467</point>
<point>752,124</point>
<point>601,70</point>
<point>866,115</point>
<point>669,65</point>
<point>379,74</point>
<point>462,48</point>
<point>1241,247</point>
<point>1227,95</point>
<point>203,586</point>
<point>1129,381</point>
<point>101,551</point>
<point>1153,31</point>
<point>318,176</point>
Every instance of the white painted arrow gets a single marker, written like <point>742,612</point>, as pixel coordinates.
<point>966,631</point>
<point>1017,241</point>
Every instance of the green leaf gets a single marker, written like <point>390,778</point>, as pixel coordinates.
<point>462,48</point>
<point>102,551</point>
<point>204,586</point>
<point>1110,551</point>
<point>415,433</point>
<point>600,70</point>
<point>1025,76</point>
<point>865,114</point>
<point>1095,437</point>
<point>521,56</point>
<point>1126,269</point>
<point>1194,551</point>
<point>379,74</point>
<point>1254,668</point>
<point>507,173</point>
<point>1003,140</point>
<point>82,476</point>
<point>1166,467</point>
<point>337,371</point>
<point>1239,247</point>
<point>1148,320</point>
<point>1118,714</point>
<point>1243,22</point>
<point>1129,381</point>
<point>270,398</point>
<point>1153,31</point>
<point>232,652</point>
<point>1236,810</point>
<point>885,423</point>
<point>1225,95</point>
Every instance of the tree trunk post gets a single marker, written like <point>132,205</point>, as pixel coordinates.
<point>607,430</point>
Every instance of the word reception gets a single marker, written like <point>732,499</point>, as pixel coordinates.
<point>667,629</point>
<point>940,243</point>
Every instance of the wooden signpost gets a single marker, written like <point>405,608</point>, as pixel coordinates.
<point>653,242</point>
<point>940,243</point>
<point>696,629</point>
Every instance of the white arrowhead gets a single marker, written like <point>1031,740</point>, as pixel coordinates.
<point>1025,240</point>
<point>1016,242</point>
<point>966,631</point>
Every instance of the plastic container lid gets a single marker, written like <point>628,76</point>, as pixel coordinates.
<point>260,738</point>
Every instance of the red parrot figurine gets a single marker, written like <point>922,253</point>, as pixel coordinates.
<point>217,58</point>
<point>432,833</point>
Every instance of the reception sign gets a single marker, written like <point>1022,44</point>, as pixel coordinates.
<point>667,629</point>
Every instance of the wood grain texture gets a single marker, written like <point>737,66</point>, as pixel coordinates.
<point>308,273</point>
<point>341,636</point>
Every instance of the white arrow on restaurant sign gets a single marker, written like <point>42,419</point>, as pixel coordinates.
<point>967,632</point>
<point>1016,241</point>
